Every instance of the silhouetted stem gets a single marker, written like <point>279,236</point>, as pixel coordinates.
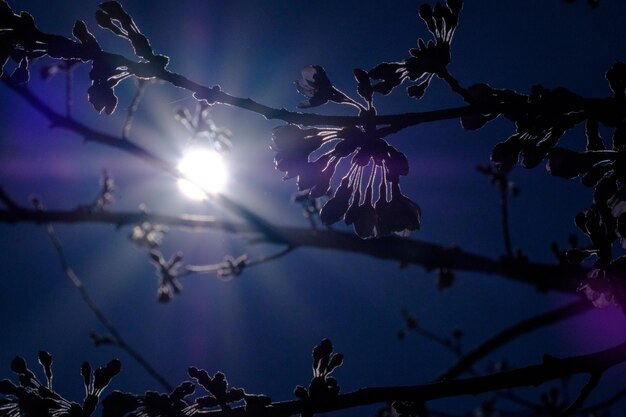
<point>504,208</point>
<point>272,257</point>
<point>148,70</point>
<point>440,340</point>
<point>209,269</point>
<point>89,134</point>
<point>132,109</point>
<point>500,179</point>
<point>544,277</point>
<point>214,94</point>
<point>102,318</point>
<point>456,87</point>
<point>64,48</point>
<point>513,332</point>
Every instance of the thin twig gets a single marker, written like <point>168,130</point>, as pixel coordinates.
<point>456,87</point>
<point>513,332</point>
<point>501,180</point>
<point>212,268</point>
<point>440,340</point>
<point>97,311</point>
<point>272,257</point>
<point>132,109</point>
<point>504,208</point>
<point>154,69</point>
<point>57,120</point>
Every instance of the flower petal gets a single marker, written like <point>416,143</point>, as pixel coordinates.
<point>336,207</point>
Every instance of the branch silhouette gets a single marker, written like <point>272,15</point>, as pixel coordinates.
<point>513,332</point>
<point>550,369</point>
<point>124,144</point>
<point>310,147</point>
<point>593,364</point>
<point>544,277</point>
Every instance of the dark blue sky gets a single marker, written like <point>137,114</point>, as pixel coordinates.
<point>259,328</point>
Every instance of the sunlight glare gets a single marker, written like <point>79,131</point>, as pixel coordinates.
<point>205,168</point>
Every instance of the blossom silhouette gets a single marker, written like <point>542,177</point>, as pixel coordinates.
<point>428,59</point>
<point>177,404</point>
<point>315,85</point>
<point>119,404</point>
<point>374,162</point>
<point>322,385</point>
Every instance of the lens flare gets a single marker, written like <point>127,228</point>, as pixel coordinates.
<point>206,171</point>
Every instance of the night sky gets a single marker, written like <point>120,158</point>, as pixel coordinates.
<point>259,328</point>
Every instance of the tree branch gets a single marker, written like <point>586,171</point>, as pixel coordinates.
<point>64,48</point>
<point>132,109</point>
<point>544,277</point>
<point>504,212</point>
<point>124,144</point>
<point>225,269</point>
<point>533,375</point>
<point>513,332</point>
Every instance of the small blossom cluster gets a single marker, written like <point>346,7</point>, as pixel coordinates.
<point>232,267</point>
<point>428,59</point>
<point>374,162</point>
<point>151,404</point>
<point>177,403</point>
<point>33,398</point>
<point>167,272</point>
<point>322,385</point>
<point>147,234</point>
<point>318,89</point>
<point>106,75</point>
<point>602,223</point>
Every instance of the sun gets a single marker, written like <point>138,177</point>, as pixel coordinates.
<point>205,171</point>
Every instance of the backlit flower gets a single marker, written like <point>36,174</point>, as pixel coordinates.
<point>315,85</point>
<point>35,398</point>
<point>368,196</point>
